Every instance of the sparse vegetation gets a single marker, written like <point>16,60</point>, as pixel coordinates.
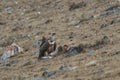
<point>26,21</point>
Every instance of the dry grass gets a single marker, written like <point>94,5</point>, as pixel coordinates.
<point>63,23</point>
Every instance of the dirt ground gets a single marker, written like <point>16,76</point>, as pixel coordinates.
<point>25,21</point>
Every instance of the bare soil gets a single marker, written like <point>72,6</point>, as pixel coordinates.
<point>25,21</point>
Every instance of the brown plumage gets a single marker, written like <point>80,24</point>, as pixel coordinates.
<point>46,47</point>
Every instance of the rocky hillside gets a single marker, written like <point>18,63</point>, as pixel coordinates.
<point>92,23</point>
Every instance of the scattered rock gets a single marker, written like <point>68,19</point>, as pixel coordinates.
<point>92,63</point>
<point>64,67</point>
<point>16,29</point>
<point>104,25</point>
<point>86,19</point>
<point>2,22</point>
<point>36,43</point>
<point>9,10</point>
<point>30,26</point>
<point>91,51</point>
<point>27,63</point>
<point>48,21</point>
<point>73,50</point>
<point>111,10</point>
<point>1,54</point>
<point>26,49</point>
<point>71,35</point>
<point>38,33</point>
<point>77,26</point>
<point>110,23</point>
<point>36,78</point>
<point>115,21</point>
<point>117,52</point>
<point>102,42</point>
<point>10,62</point>
<point>77,5</point>
<point>6,41</point>
<point>46,57</point>
<point>43,69</point>
<point>48,73</point>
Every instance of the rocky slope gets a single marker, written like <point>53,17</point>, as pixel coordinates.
<point>95,23</point>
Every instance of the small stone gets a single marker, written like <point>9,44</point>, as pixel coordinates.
<point>43,69</point>
<point>10,62</point>
<point>90,52</point>
<point>9,10</point>
<point>48,73</point>
<point>37,78</point>
<point>104,25</point>
<point>48,21</point>
<point>78,26</point>
<point>118,52</point>
<point>27,63</point>
<point>111,10</point>
<point>77,5</point>
<point>71,35</point>
<point>38,12</point>
<point>92,63</point>
<point>64,67</point>
<point>115,21</point>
